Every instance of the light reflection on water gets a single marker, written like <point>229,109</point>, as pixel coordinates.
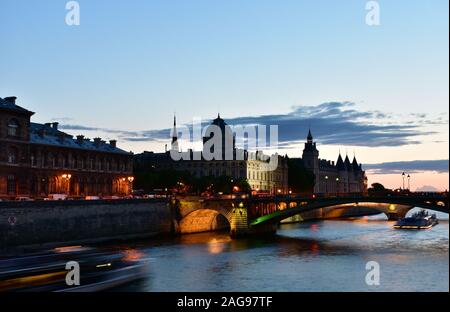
<point>315,256</point>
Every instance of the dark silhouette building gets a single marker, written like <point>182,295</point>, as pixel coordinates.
<point>340,177</point>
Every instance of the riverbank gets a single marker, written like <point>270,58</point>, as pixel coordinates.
<point>44,224</point>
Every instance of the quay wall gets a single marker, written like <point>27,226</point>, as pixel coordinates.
<point>37,224</point>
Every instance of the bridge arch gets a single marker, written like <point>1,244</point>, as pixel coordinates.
<point>204,220</point>
<point>393,207</point>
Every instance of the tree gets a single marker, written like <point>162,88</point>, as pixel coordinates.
<point>300,179</point>
<point>377,187</point>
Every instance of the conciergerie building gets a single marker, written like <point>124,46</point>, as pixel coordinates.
<point>340,177</point>
<point>37,160</point>
<point>255,167</point>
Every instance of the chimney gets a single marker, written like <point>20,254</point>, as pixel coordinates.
<point>97,141</point>
<point>55,125</point>
<point>11,99</point>
<point>48,124</point>
<point>80,139</point>
<point>113,143</point>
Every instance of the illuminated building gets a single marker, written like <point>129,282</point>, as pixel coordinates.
<point>38,159</point>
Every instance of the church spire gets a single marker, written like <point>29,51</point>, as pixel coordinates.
<point>174,134</point>
<point>309,138</point>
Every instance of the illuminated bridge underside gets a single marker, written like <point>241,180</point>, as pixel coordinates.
<point>204,220</point>
<point>391,206</point>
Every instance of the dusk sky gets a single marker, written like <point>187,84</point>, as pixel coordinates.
<point>380,92</point>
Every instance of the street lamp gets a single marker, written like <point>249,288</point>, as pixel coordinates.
<point>409,182</point>
<point>326,185</point>
<point>130,185</point>
<point>403,177</point>
<point>67,177</point>
<point>337,186</point>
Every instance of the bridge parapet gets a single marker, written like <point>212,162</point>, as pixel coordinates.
<point>262,214</point>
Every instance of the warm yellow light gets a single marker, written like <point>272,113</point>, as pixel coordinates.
<point>392,207</point>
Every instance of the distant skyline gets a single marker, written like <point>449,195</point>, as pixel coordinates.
<point>380,92</point>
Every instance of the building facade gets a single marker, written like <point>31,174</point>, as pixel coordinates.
<point>340,177</point>
<point>37,160</point>
<point>236,163</point>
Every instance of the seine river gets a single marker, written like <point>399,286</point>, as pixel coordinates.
<point>312,256</point>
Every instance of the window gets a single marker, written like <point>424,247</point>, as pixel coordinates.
<point>11,184</point>
<point>12,155</point>
<point>51,160</point>
<point>33,159</point>
<point>13,128</point>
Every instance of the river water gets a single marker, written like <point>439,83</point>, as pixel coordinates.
<point>312,256</point>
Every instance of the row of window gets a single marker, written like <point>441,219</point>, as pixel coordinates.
<point>70,162</point>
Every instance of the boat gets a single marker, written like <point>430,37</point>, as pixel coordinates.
<point>46,271</point>
<point>418,221</point>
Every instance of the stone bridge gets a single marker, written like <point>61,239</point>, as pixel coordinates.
<point>257,215</point>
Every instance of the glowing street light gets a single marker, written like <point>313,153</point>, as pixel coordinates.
<point>67,177</point>
<point>403,177</point>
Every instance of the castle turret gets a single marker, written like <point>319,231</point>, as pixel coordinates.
<point>340,163</point>
<point>355,165</point>
<point>311,159</point>
<point>348,165</point>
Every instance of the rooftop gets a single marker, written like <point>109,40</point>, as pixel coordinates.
<point>9,103</point>
<point>48,134</point>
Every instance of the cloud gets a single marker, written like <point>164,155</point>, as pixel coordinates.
<point>427,188</point>
<point>335,123</point>
<point>61,119</point>
<point>440,166</point>
<point>97,129</point>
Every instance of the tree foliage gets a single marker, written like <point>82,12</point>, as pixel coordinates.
<point>300,179</point>
<point>151,179</point>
